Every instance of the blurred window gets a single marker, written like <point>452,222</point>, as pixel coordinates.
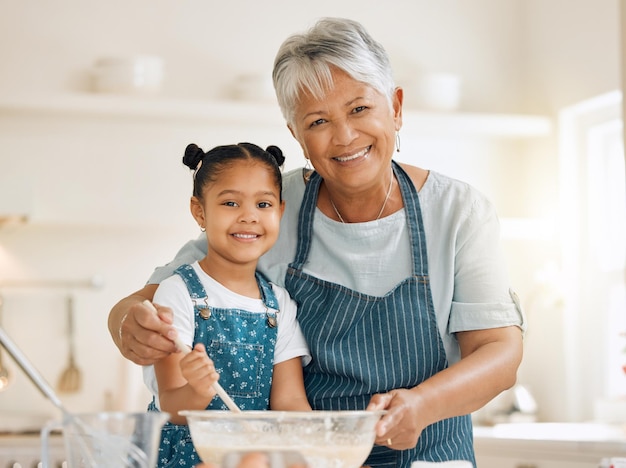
<point>593,240</point>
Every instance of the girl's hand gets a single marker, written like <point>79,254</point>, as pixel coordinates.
<point>198,369</point>
<point>400,428</point>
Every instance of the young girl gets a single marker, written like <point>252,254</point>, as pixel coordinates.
<point>242,329</point>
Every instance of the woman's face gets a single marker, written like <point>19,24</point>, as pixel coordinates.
<point>349,135</point>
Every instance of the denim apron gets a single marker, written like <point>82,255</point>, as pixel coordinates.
<point>241,344</point>
<point>362,344</point>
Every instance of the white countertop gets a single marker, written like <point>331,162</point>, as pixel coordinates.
<point>578,432</point>
<point>591,440</point>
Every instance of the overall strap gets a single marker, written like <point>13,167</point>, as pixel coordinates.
<point>414,220</point>
<point>197,291</point>
<point>411,206</point>
<point>305,220</point>
<point>192,281</point>
<point>267,293</point>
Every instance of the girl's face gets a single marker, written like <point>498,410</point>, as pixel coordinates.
<point>349,135</point>
<point>241,212</point>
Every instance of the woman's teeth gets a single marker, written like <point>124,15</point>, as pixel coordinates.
<point>245,236</point>
<point>354,156</point>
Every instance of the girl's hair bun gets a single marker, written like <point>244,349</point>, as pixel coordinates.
<point>277,153</point>
<point>193,156</point>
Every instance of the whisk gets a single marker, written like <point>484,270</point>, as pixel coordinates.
<point>110,443</point>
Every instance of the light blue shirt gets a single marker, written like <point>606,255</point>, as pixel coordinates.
<point>468,278</point>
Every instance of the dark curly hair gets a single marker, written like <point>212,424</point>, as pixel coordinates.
<point>209,165</point>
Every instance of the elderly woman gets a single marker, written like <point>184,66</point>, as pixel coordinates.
<point>396,269</point>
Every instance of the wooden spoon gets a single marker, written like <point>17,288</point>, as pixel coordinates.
<point>71,378</point>
<point>4,372</point>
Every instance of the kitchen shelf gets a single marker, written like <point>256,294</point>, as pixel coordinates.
<point>95,282</point>
<point>141,107</point>
<point>263,113</point>
<point>477,124</point>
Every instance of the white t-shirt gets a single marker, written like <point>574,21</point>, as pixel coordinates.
<point>173,293</point>
<point>468,278</point>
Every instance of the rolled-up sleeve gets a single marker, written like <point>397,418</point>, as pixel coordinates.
<point>466,316</point>
<point>482,297</point>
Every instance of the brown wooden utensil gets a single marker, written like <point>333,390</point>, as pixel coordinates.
<point>71,378</point>
<point>4,372</point>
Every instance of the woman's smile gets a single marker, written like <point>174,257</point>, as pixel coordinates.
<point>364,153</point>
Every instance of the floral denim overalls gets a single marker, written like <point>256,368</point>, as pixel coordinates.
<point>241,344</point>
<point>362,344</point>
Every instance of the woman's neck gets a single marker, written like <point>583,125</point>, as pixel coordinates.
<point>359,208</point>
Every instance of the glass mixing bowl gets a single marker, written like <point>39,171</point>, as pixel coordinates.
<point>326,439</point>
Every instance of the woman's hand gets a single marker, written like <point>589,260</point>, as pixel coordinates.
<point>400,428</point>
<point>142,336</point>
<point>199,371</point>
<point>488,365</point>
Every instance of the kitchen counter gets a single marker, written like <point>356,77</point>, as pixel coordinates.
<point>533,445</point>
<point>589,431</point>
<point>24,450</point>
<point>548,445</point>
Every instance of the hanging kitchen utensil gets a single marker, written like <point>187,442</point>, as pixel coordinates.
<point>4,372</point>
<point>71,378</point>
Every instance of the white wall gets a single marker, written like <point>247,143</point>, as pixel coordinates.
<point>572,51</point>
<point>513,55</point>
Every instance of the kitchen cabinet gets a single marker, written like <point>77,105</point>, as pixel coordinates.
<point>94,159</point>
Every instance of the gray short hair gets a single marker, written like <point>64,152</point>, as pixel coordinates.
<point>304,61</point>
